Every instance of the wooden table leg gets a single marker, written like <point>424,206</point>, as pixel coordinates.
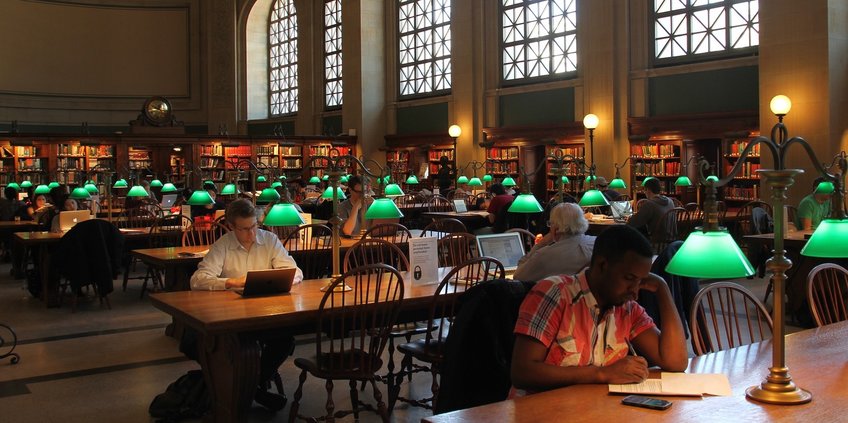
<point>231,370</point>
<point>49,279</point>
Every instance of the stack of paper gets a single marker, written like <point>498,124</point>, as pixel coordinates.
<point>689,384</point>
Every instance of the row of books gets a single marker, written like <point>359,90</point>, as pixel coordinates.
<point>569,151</point>
<point>397,156</point>
<point>502,153</point>
<point>266,150</point>
<point>504,167</point>
<point>324,150</point>
<point>292,163</point>
<point>140,164</point>
<point>215,175</point>
<point>291,151</point>
<point>29,151</point>
<point>749,170</point>
<point>239,150</point>
<point>211,150</point>
<point>210,162</point>
<point>661,168</point>
<point>654,150</point>
<point>270,161</point>
<point>436,155</point>
<point>32,164</point>
<point>751,192</point>
<point>70,163</point>
<point>737,147</point>
<point>139,155</point>
<point>101,151</point>
<point>71,149</point>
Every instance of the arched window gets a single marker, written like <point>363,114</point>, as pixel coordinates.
<point>282,58</point>
<point>424,47</point>
<point>332,53</point>
<point>687,30</point>
<point>538,39</point>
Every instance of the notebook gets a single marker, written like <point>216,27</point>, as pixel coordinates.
<point>267,282</point>
<point>67,219</point>
<point>621,210</point>
<point>168,201</point>
<point>507,247</point>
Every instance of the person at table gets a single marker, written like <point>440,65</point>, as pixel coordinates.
<point>499,200</point>
<point>565,250</point>
<point>68,204</point>
<point>653,210</point>
<point>445,176</point>
<point>225,266</point>
<point>9,205</point>
<point>815,207</point>
<point>39,206</point>
<point>575,329</point>
<point>603,187</point>
<point>208,209</point>
<point>351,210</point>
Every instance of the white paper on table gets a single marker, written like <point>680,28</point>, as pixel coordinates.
<point>687,384</point>
<point>423,260</point>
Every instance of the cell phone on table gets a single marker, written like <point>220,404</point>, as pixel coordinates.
<point>645,402</point>
<point>185,254</point>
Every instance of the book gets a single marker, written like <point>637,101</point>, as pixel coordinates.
<point>678,384</point>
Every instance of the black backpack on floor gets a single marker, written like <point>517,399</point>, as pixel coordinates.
<point>185,398</point>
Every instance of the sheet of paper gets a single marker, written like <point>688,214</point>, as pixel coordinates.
<point>424,260</point>
<point>688,384</point>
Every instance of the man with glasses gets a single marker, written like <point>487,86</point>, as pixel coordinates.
<point>352,209</point>
<point>225,266</point>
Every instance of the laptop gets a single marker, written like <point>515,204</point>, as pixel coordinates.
<point>621,210</point>
<point>459,206</point>
<point>220,214</point>
<point>267,282</point>
<point>67,219</point>
<point>507,247</point>
<point>168,201</point>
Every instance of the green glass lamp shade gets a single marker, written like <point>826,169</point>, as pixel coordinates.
<point>283,215</point>
<point>14,185</point>
<point>712,178</point>
<point>710,255</point>
<point>462,180</point>
<point>393,190</point>
<point>261,178</point>
<point>42,189</point>
<point>475,182</point>
<point>590,179</point>
<point>208,181</point>
<point>825,187</point>
<point>487,178</point>
<point>91,188</point>
<point>385,180</point>
<point>26,184</point>
<point>282,177</point>
<point>565,179</point>
<point>229,189</point>
<point>276,184</point>
<point>683,181</point>
<point>618,183</point>
<point>314,180</point>
<point>168,187</point>
<point>137,191</point>
<point>647,179</point>
<point>156,183</point>
<point>120,183</point>
<point>268,195</point>
<point>55,184</point>
<point>80,193</point>
<point>525,203</point>
<point>412,180</point>
<point>325,177</point>
<point>344,179</point>
<point>508,182</point>
<point>200,198</point>
<point>328,193</point>
<point>828,240</point>
<point>383,208</point>
<point>593,198</point>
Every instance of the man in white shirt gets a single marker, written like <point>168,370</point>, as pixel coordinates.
<point>225,266</point>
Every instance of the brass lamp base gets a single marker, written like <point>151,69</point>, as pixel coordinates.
<point>339,288</point>
<point>778,388</point>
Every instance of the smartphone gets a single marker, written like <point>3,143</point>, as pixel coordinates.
<point>645,402</point>
<point>185,254</point>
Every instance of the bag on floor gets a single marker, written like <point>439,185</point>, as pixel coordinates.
<point>185,398</point>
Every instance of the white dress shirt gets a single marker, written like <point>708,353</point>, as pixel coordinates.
<point>227,258</point>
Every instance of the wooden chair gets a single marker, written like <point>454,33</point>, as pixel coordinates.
<point>350,337</point>
<point>310,246</point>
<point>527,238</point>
<point>392,232</point>
<point>457,248</point>
<point>136,218</point>
<point>744,224</point>
<point>282,232</point>
<point>725,315</point>
<point>167,231</point>
<point>438,203</point>
<point>373,251</point>
<point>202,234</point>
<point>430,350</point>
<point>827,293</point>
<point>665,230</point>
<point>406,203</point>
<point>440,227</point>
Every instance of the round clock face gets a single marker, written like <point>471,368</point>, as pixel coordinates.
<point>158,110</point>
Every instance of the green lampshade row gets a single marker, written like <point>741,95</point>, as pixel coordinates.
<point>328,194</point>
<point>565,179</point>
<point>314,180</point>
<point>268,195</point>
<point>200,198</point>
<point>344,179</point>
<point>712,178</point>
<point>55,184</point>
<point>120,183</point>
<point>683,181</point>
<point>525,203</point>
<point>168,187</point>
<point>42,189</point>
<point>475,182</point>
<point>508,182</point>
<point>828,240</point>
<point>229,189</point>
<point>618,183</point>
<point>647,179</point>
<point>276,184</point>
<point>14,185</point>
<point>487,178</point>
<point>590,178</point>
<point>156,183</point>
<point>385,180</point>
<point>283,215</point>
<point>137,191</point>
<point>91,188</point>
<point>325,177</point>
<point>710,255</point>
<point>593,198</point>
<point>383,208</point>
<point>825,187</point>
<point>462,180</point>
<point>412,180</point>
<point>393,190</point>
<point>26,184</point>
<point>261,178</point>
<point>80,193</point>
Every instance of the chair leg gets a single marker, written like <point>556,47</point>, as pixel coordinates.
<point>297,395</point>
<point>354,399</point>
<point>126,277</point>
<point>331,407</point>
<point>278,383</point>
<point>381,406</point>
<point>434,370</point>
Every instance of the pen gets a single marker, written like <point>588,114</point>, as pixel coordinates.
<point>630,347</point>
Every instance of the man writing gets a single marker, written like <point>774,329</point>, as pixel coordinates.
<point>225,266</point>
<point>579,329</point>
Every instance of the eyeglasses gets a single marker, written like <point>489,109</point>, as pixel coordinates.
<point>248,229</point>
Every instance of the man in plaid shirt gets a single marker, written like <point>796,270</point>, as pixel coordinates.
<point>583,328</point>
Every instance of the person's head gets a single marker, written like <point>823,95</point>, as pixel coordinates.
<point>40,201</point>
<point>212,190</point>
<point>823,190</point>
<point>69,204</point>
<point>10,193</point>
<point>652,186</point>
<point>146,184</point>
<point>57,196</point>
<point>497,189</point>
<point>241,216</point>
<point>601,182</point>
<point>568,219</point>
<point>444,161</point>
<point>621,258</point>
<point>356,186</point>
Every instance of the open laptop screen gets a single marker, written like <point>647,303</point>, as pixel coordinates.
<point>506,247</point>
<point>168,201</point>
<point>67,219</point>
<point>621,209</point>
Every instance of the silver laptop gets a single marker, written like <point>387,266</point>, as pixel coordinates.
<point>459,206</point>
<point>621,210</point>
<point>268,282</point>
<point>67,219</point>
<point>168,201</point>
<point>507,247</point>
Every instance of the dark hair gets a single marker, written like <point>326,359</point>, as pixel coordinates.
<point>57,196</point>
<point>11,193</point>
<point>240,208</point>
<point>63,198</point>
<point>497,189</point>
<point>353,181</point>
<point>614,243</point>
<point>653,185</point>
<point>208,186</point>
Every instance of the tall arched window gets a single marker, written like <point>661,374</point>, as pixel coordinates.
<point>686,30</point>
<point>282,58</point>
<point>424,47</point>
<point>332,53</point>
<point>539,39</point>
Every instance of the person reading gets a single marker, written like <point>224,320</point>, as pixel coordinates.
<point>814,207</point>
<point>580,329</point>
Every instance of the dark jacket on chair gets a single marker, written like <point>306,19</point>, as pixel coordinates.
<point>683,289</point>
<point>478,350</point>
<point>90,253</point>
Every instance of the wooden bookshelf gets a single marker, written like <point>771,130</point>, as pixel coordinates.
<point>574,173</point>
<point>745,186</point>
<point>139,158</point>
<point>660,159</point>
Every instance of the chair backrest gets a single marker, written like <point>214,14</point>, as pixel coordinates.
<point>203,233</point>
<point>458,280</point>
<point>527,237</point>
<point>392,232</point>
<point>639,204</point>
<point>373,251</point>
<point>358,335</point>
<point>725,315</point>
<point>406,200</point>
<point>282,232</point>
<point>311,248</point>
<point>137,217</point>
<point>744,218</point>
<point>665,230</point>
<point>827,293</point>
<point>167,231</point>
<point>438,203</point>
<point>457,248</point>
<point>440,227</point>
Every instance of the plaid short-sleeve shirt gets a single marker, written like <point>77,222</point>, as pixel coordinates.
<point>562,314</point>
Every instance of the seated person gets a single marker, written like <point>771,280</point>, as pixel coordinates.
<point>499,200</point>
<point>68,204</point>
<point>565,250</point>
<point>603,187</point>
<point>651,211</point>
<point>225,266</point>
<point>814,207</point>
<point>38,207</point>
<point>580,329</point>
<point>209,209</point>
<point>9,205</point>
<point>351,209</point>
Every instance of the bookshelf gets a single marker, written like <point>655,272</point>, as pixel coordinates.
<point>212,162</point>
<point>71,165</point>
<point>660,159</point>
<point>399,161</point>
<point>7,166</point>
<point>434,157</point>
<point>319,151</point>
<point>746,186</point>
<point>573,172</point>
<point>291,161</point>
<point>100,162</point>
<point>139,158</point>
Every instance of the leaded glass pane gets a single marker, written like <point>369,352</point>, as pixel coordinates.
<point>538,38</point>
<point>333,53</point>
<point>692,27</point>
<point>282,58</point>
<point>424,46</point>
